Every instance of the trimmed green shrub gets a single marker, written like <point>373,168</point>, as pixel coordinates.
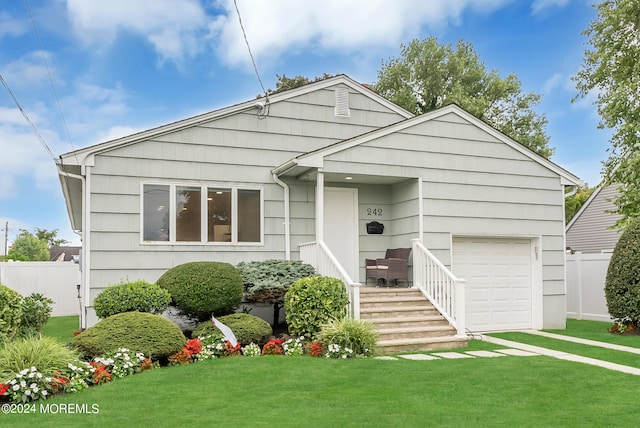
<point>46,354</point>
<point>622,284</point>
<point>314,301</point>
<point>150,334</point>
<point>358,335</point>
<point>36,310</point>
<point>268,281</point>
<point>247,328</point>
<point>199,289</point>
<point>138,296</point>
<point>10,313</point>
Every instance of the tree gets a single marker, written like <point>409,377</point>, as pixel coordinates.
<point>49,237</point>
<point>573,203</point>
<point>285,83</point>
<point>26,247</point>
<point>429,75</point>
<point>610,69</point>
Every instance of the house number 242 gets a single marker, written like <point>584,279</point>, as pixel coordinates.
<point>374,212</point>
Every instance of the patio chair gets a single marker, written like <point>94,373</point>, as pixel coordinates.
<point>394,266</point>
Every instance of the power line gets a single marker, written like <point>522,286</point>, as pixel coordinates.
<point>253,61</point>
<point>24,113</point>
<point>46,64</point>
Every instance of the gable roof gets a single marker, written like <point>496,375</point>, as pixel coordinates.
<point>315,158</point>
<point>76,156</point>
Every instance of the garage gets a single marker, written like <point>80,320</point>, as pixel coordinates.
<point>499,282</point>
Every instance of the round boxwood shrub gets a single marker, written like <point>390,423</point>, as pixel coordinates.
<point>247,328</point>
<point>138,296</point>
<point>10,312</point>
<point>622,285</point>
<point>314,301</point>
<point>199,289</point>
<point>150,334</point>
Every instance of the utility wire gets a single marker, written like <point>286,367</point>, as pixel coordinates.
<point>33,127</point>
<point>46,64</point>
<point>253,61</point>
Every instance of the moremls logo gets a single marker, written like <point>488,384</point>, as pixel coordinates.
<point>84,408</point>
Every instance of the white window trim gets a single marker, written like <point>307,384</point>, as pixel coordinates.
<point>203,218</point>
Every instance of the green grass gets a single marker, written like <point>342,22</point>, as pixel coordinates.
<point>618,357</point>
<point>303,391</point>
<point>61,328</point>
<point>596,330</point>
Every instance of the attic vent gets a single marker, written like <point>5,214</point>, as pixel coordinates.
<point>342,102</point>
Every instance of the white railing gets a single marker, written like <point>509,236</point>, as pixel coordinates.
<point>443,289</point>
<point>318,255</point>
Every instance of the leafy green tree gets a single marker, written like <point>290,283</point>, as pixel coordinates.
<point>50,236</point>
<point>285,83</point>
<point>610,69</point>
<point>429,75</point>
<point>26,247</point>
<point>573,203</point>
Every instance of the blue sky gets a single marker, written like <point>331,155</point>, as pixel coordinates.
<point>122,66</point>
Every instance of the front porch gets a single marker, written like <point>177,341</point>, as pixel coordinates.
<point>427,316</point>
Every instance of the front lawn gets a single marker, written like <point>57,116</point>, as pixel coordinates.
<point>304,391</point>
<point>62,328</point>
<point>596,330</point>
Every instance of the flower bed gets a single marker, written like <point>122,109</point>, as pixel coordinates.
<point>30,385</point>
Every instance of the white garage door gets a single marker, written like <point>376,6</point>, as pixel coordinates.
<point>499,286</point>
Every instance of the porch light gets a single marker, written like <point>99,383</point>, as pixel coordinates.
<point>348,177</point>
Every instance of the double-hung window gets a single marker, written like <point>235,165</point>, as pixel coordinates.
<point>201,214</point>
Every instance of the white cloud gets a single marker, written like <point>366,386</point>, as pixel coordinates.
<point>277,26</point>
<point>29,70</point>
<point>10,26</point>
<point>170,27</point>
<point>540,5</point>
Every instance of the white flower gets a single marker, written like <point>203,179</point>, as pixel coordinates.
<point>23,384</point>
<point>13,382</point>
<point>35,388</point>
<point>39,375</point>
<point>44,392</point>
<point>16,387</point>
<point>27,392</point>
<point>33,369</point>
<point>24,372</point>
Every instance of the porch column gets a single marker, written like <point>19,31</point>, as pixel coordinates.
<point>320,206</point>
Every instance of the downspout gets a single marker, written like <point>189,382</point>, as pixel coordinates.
<point>287,220</point>
<point>84,255</point>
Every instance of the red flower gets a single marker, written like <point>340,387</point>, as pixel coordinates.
<point>315,349</point>
<point>230,350</point>
<point>3,388</point>
<point>101,374</point>
<point>193,346</point>
<point>273,347</point>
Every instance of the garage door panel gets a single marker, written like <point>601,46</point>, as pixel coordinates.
<point>499,287</point>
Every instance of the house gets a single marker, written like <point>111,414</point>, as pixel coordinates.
<point>591,229</point>
<point>64,254</point>
<point>591,239</point>
<point>301,174</point>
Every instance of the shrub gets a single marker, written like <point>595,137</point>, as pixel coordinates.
<point>138,296</point>
<point>154,336</point>
<point>247,328</point>
<point>314,301</point>
<point>357,335</point>
<point>268,281</point>
<point>199,289</point>
<point>10,313</point>
<point>622,284</point>
<point>36,310</point>
<point>46,354</point>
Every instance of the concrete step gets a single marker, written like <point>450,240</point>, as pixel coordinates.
<point>415,332</point>
<point>374,312</point>
<point>388,291</point>
<point>413,321</point>
<point>394,346</point>
<point>414,300</point>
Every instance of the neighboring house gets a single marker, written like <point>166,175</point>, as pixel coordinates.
<point>309,169</point>
<point>591,240</point>
<point>590,230</point>
<point>64,254</point>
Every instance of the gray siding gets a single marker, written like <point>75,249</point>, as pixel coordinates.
<point>240,149</point>
<point>591,232</point>
<point>473,185</point>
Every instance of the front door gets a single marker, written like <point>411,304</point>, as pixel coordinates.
<point>341,227</point>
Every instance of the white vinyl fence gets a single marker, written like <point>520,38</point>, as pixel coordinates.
<point>55,280</point>
<point>586,275</point>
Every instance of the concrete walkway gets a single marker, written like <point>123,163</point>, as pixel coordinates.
<point>566,356</point>
<point>585,341</point>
